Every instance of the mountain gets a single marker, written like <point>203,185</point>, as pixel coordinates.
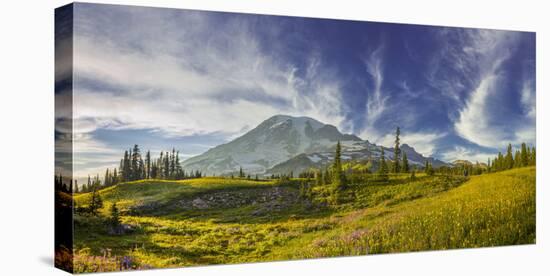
<point>360,152</point>
<point>283,143</point>
<point>275,140</point>
<point>460,162</point>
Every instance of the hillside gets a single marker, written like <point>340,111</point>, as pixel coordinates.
<point>488,210</point>
<point>214,220</point>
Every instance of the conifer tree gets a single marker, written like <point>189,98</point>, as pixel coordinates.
<point>148,165</point>
<point>500,162</point>
<point>338,177</point>
<point>160,162</point>
<point>96,202</point>
<point>115,216</point>
<point>76,191</point>
<point>166,166</point>
<point>533,159</point>
<point>107,178</point>
<point>517,159</point>
<point>524,155</point>
<point>405,164</point>
<point>509,159</point>
<point>396,152</point>
<point>382,173</point>
<point>173,163</point>
<point>178,168</point>
<point>428,168</point>
<point>115,177</point>
<point>125,170</point>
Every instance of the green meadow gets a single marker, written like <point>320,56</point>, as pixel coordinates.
<point>213,220</point>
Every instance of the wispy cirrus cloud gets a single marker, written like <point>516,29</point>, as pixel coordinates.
<point>376,100</point>
<point>187,74</point>
<point>483,118</point>
<point>205,83</point>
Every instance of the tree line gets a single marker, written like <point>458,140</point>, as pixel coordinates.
<point>133,166</point>
<point>338,179</point>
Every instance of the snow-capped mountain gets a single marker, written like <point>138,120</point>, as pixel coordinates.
<point>275,140</point>
<point>284,143</point>
<point>362,151</point>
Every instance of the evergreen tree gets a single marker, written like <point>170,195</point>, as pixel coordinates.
<point>338,177</point>
<point>115,177</point>
<point>241,172</point>
<point>96,202</point>
<point>115,216</point>
<point>524,155</point>
<point>160,162</point>
<point>76,191</point>
<point>428,168</point>
<point>517,159</point>
<point>173,164</point>
<point>500,162</point>
<point>135,163</point>
<point>107,178</point>
<point>405,163</point>
<point>382,167</point>
<point>396,152</point>
<point>166,166</point>
<point>533,159</point>
<point>154,171</point>
<point>509,159</point>
<point>148,165</point>
<point>125,170</point>
<point>178,169</point>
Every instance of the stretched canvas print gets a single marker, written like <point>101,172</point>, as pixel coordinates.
<point>188,138</point>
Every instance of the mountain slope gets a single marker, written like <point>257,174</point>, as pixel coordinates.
<point>283,143</point>
<point>355,151</point>
<point>275,140</point>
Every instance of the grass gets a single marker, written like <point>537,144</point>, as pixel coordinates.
<point>429,213</point>
<point>488,210</point>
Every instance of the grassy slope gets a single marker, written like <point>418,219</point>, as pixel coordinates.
<point>163,191</point>
<point>488,210</point>
<point>430,213</point>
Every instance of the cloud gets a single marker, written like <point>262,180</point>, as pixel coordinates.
<point>473,123</point>
<point>464,153</point>
<point>376,102</point>
<point>528,99</point>
<point>185,74</point>
<point>484,118</point>
<point>198,80</point>
<point>423,142</point>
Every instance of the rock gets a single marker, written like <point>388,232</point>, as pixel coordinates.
<point>199,203</point>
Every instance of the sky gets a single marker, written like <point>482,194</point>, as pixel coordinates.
<point>164,78</point>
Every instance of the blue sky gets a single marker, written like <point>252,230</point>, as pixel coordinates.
<point>167,78</point>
